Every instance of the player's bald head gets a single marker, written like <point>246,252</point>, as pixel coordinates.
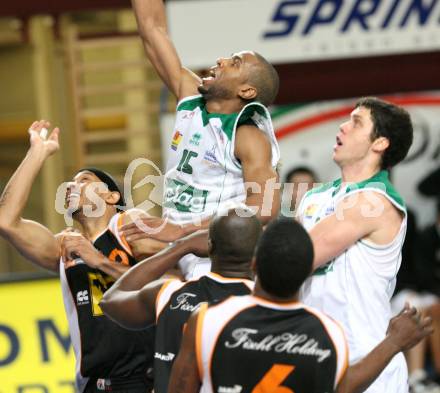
<point>233,238</point>
<point>265,79</point>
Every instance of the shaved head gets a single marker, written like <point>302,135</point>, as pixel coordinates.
<point>233,238</point>
<point>265,79</point>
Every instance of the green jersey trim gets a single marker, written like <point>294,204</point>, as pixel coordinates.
<point>380,182</point>
<point>324,187</point>
<point>191,103</point>
<point>229,121</point>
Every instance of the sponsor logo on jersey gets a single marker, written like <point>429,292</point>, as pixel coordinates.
<point>103,384</point>
<point>177,138</point>
<point>82,297</point>
<point>189,115</point>
<point>184,198</point>
<point>310,210</point>
<point>210,155</point>
<point>195,139</point>
<point>165,357</point>
<point>230,389</point>
<point>182,302</point>
<point>329,210</point>
<point>286,342</point>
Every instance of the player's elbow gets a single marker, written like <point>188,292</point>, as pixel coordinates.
<point>7,224</point>
<point>107,303</point>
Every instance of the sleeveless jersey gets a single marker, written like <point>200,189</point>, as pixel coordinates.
<point>174,305</point>
<point>102,348</point>
<point>203,174</point>
<point>355,288</point>
<point>247,344</point>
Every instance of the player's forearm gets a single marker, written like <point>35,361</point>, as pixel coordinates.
<point>151,268</point>
<point>16,192</point>
<point>150,15</point>
<point>188,229</point>
<point>113,269</point>
<point>266,205</point>
<point>362,374</point>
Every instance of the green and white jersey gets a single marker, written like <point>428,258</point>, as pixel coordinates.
<point>355,288</point>
<point>203,174</point>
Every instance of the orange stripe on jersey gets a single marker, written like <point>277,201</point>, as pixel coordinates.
<point>122,237</point>
<point>159,294</point>
<point>344,356</point>
<point>277,304</point>
<point>224,323</point>
<point>227,279</point>
<point>199,329</point>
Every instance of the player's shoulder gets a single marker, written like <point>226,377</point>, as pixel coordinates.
<point>376,187</point>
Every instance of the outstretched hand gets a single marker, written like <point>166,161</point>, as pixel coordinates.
<point>408,328</point>
<point>40,139</point>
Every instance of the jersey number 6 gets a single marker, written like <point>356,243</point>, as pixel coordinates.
<point>272,380</point>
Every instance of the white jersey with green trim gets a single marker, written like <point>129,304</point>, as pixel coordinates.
<point>202,172</point>
<point>355,288</point>
<point>203,175</point>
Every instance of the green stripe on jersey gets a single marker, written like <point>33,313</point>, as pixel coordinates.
<point>380,181</point>
<point>191,104</point>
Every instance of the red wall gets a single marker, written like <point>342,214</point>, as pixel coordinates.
<point>358,77</point>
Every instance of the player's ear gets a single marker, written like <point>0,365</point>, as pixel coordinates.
<point>381,144</point>
<point>247,92</point>
<point>113,198</point>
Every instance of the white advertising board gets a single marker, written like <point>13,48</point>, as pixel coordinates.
<point>287,31</point>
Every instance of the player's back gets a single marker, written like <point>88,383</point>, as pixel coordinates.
<point>174,305</point>
<point>250,345</point>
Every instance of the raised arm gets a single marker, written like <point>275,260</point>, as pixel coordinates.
<point>152,25</point>
<point>131,301</point>
<point>404,331</point>
<point>31,239</point>
<point>253,149</point>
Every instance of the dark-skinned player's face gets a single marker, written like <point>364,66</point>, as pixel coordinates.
<point>228,76</point>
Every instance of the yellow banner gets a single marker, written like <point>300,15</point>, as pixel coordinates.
<point>36,355</point>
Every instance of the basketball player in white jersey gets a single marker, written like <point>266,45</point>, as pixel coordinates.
<point>357,224</point>
<point>223,136</point>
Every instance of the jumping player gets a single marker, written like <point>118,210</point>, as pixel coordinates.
<point>224,148</point>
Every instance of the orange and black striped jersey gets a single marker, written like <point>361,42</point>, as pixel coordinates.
<point>247,344</point>
<point>174,305</point>
<point>103,349</point>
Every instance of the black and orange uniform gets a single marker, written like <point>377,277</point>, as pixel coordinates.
<point>247,344</point>
<point>109,358</point>
<point>175,302</point>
